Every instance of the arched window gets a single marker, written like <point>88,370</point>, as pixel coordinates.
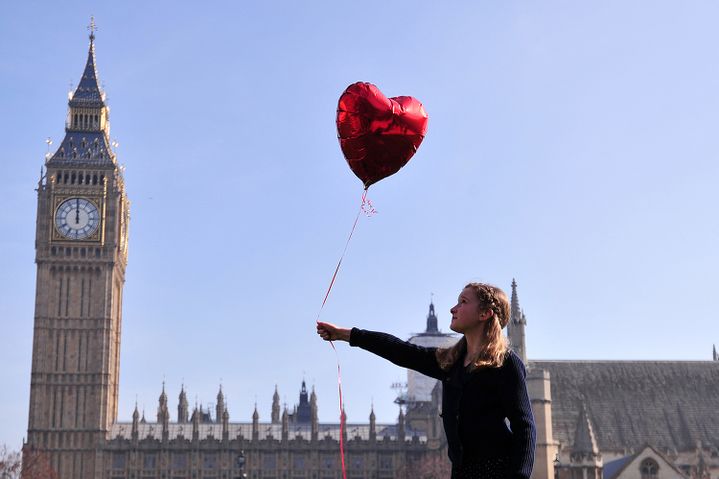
<point>649,468</point>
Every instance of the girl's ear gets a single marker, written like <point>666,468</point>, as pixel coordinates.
<point>486,314</point>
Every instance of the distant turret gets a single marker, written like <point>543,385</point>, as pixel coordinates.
<point>163,413</point>
<point>255,424</point>
<point>516,326</point>
<point>183,414</point>
<point>314,415</point>
<point>135,423</point>
<point>285,425</point>
<point>585,458</point>
<point>304,409</point>
<point>275,418</point>
<point>220,407</point>
<point>196,425</point>
<point>431,321</point>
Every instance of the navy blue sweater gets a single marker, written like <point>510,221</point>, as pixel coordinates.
<point>474,404</point>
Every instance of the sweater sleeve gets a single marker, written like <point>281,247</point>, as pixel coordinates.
<point>518,410</point>
<point>401,353</point>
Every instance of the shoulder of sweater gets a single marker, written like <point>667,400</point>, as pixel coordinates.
<point>514,362</point>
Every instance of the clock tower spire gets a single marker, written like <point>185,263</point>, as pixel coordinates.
<point>81,255</point>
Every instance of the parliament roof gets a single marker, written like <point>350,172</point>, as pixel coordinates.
<point>669,404</point>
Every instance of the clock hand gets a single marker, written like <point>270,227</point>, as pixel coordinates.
<point>77,211</point>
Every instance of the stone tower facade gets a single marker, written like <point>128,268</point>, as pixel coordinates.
<point>81,254</point>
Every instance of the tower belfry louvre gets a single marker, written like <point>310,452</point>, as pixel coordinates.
<point>81,255</point>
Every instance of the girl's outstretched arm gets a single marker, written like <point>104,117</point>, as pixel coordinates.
<point>401,353</point>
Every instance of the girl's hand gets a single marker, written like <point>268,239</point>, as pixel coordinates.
<point>330,332</point>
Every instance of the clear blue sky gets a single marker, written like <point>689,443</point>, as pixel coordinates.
<point>571,145</point>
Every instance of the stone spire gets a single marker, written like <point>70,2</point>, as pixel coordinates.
<point>220,407</point>
<point>372,425</point>
<point>163,414</point>
<point>343,422</point>
<point>315,427</point>
<point>196,424</point>
<point>183,414</point>
<point>275,407</point>
<point>304,409</point>
<point>516,326</point>
<point>255,424</point>
<point>585,442</point>
<point>88,91</point>
<point>225,425</point>
<point>431,320</point>
<point>285,425</point>
<point>400,426</point>
<point>714,353</point>
<point>584,456</point>
<point>87,130</point>
<point>135,423</point>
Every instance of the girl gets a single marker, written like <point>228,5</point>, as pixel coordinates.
<point>486,411</point>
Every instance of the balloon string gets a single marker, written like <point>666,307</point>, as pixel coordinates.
<point>339,370</point>
<point>342,414</point>
<point>339,263</point>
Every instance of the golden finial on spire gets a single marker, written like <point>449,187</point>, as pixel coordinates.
<point>92,28</point>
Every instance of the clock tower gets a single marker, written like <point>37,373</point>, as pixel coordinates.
<point>81,254</point>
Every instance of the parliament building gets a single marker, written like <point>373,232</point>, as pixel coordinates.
<point>595,419</point>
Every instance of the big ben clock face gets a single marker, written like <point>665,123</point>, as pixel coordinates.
<point>77,218</point>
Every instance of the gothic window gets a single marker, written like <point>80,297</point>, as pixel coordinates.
<point>356,461</point>
<point>210,461</point>
<point>94,179</point>
<point>298,462</point>
<point>385,461</point>
<point>269,461</point>
<point>118,460</point>
<point>649,468</point>
<point>149,461</point>
<point>179,460</point>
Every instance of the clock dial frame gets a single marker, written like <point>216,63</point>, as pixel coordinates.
<point>77,218</point>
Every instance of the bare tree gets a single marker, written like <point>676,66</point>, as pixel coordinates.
<point>10,463</point>
<point>35,465</point>
<point>431,465</point>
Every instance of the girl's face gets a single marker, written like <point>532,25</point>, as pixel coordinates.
<point>467,314</point>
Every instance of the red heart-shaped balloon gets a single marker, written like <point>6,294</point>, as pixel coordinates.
<point>378,135</point>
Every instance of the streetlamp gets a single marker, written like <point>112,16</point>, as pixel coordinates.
<point>557,465</point>
<point>241,465</point>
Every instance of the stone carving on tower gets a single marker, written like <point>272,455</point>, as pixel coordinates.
<point>81,254</point>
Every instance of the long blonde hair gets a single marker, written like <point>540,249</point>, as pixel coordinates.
<point>495,345</point>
